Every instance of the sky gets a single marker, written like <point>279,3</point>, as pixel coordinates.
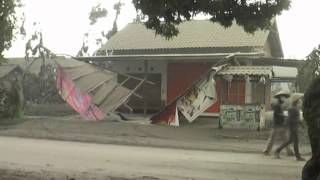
<point>63,24</point>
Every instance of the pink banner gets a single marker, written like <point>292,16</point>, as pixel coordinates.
<point>79,101</point>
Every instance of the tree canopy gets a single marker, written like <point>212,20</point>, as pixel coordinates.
<point>7,23</point>
<point>163,16</point>
<point>97,12</point>
<point>310,70</point>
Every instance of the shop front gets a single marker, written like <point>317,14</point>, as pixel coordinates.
<point>246,93</point>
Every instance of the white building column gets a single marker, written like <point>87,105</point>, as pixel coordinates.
<point>248,90</point>
<point>164,81</point>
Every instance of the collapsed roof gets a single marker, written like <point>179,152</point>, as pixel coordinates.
<point>102,85</point>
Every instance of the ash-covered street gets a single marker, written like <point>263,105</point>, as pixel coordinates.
<point>47,159</point>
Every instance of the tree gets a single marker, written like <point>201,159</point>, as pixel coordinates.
<point>114,29</point>
<point>97,13</point>
<point>7,23</point>
<point>163,16</point>
<point>310,70</point>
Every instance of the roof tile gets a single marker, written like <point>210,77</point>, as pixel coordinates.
<point>193,34</point>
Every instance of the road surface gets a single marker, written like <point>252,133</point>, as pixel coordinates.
<point>97,161</point>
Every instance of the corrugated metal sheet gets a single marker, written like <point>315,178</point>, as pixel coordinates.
<point>247,70</point>
<point>33,65</point>
<point>109,94</point>
<point>79,71</point>
<point>117,97</point>
<point>90,81</point>
<point>106,92</point>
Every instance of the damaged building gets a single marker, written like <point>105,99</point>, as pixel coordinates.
<point>256,64</point>
<point>174,64</point>
<point>154,72</point>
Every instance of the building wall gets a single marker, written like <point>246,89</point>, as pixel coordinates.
<point>237,92</point>
<point>139,67</point>
<point>234,92</point>
<point>260,93</point>
<point>154,96</point>
<point>240,92</point>
<point>177,77</point>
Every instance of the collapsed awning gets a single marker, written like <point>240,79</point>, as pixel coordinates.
<point>90,90</point>
<point>102,85</point>
<point>193,102</point>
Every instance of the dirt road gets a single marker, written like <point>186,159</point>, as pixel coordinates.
<point>196,136</point>
<point>46,159</point>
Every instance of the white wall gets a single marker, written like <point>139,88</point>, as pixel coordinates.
<point>248,91</point>
<point>154,67</point>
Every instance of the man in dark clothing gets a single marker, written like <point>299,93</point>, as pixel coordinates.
<point>278,116</point>
<point>279,128</point>
<point>293,120</point>
<point>311,115</point>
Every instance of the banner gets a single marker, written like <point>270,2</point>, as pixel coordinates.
<point>167,117</point>
<point>195,101</point>
<point>79,101</point>
<point>198,99</point>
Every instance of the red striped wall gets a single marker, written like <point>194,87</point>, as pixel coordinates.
<point>237,91</point>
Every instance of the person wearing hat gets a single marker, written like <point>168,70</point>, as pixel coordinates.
<point>293,120</point>
<point>279,128</point>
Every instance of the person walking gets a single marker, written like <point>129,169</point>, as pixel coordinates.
<point>279,129</point>
<point>293,120</point>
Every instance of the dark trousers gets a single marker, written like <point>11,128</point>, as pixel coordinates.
<point>281,132</point>
<point>293,138</point>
